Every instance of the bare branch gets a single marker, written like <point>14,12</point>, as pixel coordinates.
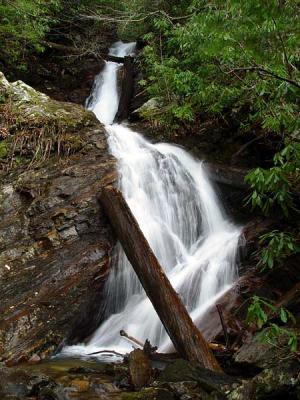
<point>266,72</point>
<point>106,352</point>
<point>123,17</point>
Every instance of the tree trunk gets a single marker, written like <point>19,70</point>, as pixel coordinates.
<point>185,336</point>
<point>126,90</point>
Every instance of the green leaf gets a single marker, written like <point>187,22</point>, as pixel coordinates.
<point>283,315</point>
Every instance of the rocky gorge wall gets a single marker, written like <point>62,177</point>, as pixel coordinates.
<point>55,243</point>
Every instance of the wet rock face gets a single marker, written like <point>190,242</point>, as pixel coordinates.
<point>62,72</point>
<point>55,245</point>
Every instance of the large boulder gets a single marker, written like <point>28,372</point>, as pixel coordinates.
<point>150,107</point>
<point>280,382</point>
<point>263,355</point>
<point>55,242</point>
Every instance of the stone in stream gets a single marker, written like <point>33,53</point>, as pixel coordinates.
<point>18,384</point>
<point>34,359</point>
<point>55,380</point>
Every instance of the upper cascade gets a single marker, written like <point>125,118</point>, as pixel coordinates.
<point>104,99</point>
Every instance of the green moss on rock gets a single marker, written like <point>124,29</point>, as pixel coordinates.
<point>3,150</point>
<point>149,394</point>
<point>31,106</point>
<point>37,126</point>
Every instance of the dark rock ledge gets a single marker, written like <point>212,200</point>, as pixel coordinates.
<point>55,243</point>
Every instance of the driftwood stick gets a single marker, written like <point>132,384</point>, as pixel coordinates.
<point>131,339</point>
<point>187,339</point>
<point>106,351</point>
<point>219,309</point>
<point>212,346</point>
<point>217,346</point>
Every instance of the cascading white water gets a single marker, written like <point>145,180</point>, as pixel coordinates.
<point>104,99</point>
<point>178,211</point>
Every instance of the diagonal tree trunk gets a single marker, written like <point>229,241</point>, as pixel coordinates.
<point>185,336</point>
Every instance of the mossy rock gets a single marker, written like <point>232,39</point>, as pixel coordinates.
<point>31,106</point>
<point>4,84</point>
<point>3,150</point>
<point>149,109</point>
<point>265,355</point>
<point>37,126</point>
<point>283,380</point>
<point>149,394</point>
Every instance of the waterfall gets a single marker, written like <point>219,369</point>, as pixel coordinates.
<point>179,213</point>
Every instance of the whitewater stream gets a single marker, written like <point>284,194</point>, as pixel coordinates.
<point>179,213</point>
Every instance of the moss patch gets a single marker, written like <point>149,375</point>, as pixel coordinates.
<point>149,394</point>
<point>37,126</point>
<point>3,150</point>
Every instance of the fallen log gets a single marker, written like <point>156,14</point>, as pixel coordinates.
<point>187,339</point>
<point>241,150</point>
<point>109,57</point>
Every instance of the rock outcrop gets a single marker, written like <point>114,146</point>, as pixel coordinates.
<point>55,243</point>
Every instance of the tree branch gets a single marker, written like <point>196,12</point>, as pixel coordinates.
<point>267,72</point>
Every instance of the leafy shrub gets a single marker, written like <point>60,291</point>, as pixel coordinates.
<point>229,57</point>
<point>258,315</point>
<point>275,247</point>
<point>274,186</point>
<point>23,25</point>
